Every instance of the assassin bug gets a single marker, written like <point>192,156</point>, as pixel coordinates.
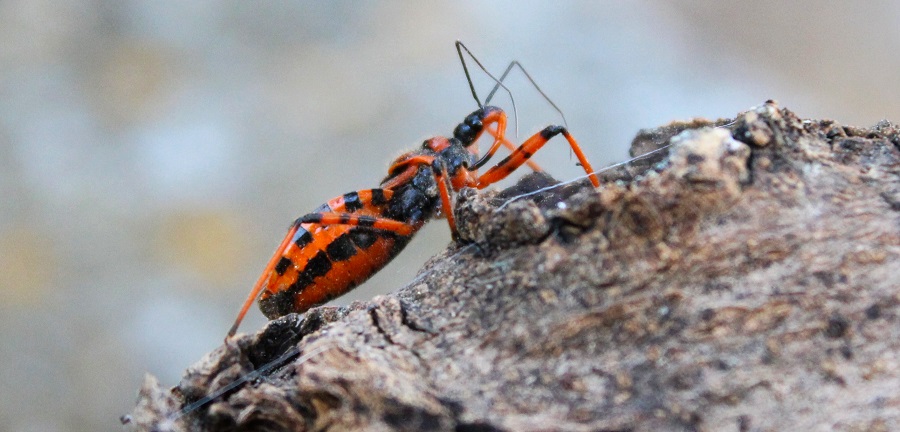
<point>346,240</point>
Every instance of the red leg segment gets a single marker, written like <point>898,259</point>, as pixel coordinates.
<point>512,147</point>
<point>401,228</point>
<point>441,178</point>
<point>527,149</point>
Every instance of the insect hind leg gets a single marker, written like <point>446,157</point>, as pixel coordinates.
<point>376,222</point>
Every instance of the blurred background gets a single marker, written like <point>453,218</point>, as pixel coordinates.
<point>152,154</point>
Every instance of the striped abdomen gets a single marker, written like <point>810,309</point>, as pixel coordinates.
<point>323,261</point>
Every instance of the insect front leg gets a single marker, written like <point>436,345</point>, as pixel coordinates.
<point>512,147</point>
<point>526,150</point>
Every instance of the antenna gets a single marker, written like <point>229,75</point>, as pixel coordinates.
<point>459,49</point>
<point>509,68</point>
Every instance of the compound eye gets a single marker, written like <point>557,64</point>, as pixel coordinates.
<point>427,143</point>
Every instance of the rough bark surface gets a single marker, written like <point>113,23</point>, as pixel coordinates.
<point>744,278</point>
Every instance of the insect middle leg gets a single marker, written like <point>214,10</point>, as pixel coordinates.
<point>413,164</point>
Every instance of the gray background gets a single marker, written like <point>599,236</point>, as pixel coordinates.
<point>152,154</point>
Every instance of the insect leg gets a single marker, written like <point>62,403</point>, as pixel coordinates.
<point>376,222</point>
<point>498,117</point>
<point>440,175</point>
<point>512,147</point>
<point>516,64</point>
<point>493,115</point>
<point>527,149</point>
<point>409,169</point>
<point>260,283</point>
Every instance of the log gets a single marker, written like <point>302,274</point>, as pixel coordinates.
<point>742,277</point>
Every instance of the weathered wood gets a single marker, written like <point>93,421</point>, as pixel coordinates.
<point>744,279</point>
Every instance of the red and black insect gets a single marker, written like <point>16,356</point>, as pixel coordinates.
<point>346,240</point>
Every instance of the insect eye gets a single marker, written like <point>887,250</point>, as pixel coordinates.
<point>426,144</point>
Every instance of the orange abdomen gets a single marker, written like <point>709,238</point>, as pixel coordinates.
<point>323,261</point>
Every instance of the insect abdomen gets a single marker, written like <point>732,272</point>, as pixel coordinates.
<point>324,261</point>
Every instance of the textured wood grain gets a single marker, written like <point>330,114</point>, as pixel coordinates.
<point>743,279</point>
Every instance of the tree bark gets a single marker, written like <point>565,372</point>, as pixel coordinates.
<point>742,278</point>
